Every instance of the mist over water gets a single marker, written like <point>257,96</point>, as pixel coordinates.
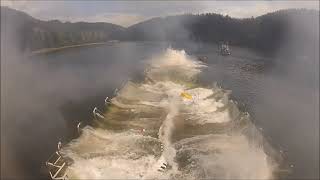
<point>70,103</point>
<point>43,98</point>
<point>203,137</point>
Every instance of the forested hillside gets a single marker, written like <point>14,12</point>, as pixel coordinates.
<point>265,32</point>
<point>31,34</point>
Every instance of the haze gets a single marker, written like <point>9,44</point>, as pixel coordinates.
<point>127,13</point>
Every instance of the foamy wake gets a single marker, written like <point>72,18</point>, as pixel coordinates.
<point>148,124</point>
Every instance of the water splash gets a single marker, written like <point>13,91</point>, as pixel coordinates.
<point>203,137</point>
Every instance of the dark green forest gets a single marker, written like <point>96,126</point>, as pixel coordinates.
<point>264,32</point>
<point>31,34</point>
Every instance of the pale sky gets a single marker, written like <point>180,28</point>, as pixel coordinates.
<point>126,13</point>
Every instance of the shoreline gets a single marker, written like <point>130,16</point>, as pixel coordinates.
<point>49,50</point>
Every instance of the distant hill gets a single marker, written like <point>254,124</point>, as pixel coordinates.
<point>32,34</point>
<point>265,32</point>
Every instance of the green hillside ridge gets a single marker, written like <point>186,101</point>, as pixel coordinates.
<point>264,32</point>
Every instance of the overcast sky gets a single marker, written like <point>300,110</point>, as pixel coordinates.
<point>126,13</point>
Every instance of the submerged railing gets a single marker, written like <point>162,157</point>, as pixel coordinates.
<point>57,165</point>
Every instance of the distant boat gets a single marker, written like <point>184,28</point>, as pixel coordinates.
<point>224,49</point>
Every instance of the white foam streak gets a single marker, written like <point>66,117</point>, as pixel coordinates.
<point>165,133</point>
<point>157,104</point>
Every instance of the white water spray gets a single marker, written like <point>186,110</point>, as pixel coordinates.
<point>206,137</point>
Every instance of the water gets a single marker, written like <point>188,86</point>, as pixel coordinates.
<point>211,136</point>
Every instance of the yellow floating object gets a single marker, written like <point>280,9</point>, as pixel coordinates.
<point>186,95</point>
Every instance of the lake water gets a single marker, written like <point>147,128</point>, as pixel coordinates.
<point>45,97</point>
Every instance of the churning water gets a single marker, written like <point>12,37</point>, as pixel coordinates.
<point>150,130</point>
